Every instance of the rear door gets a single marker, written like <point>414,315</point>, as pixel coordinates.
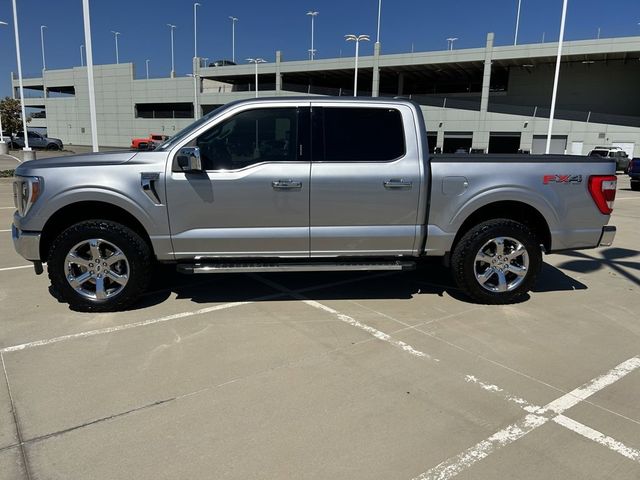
<point>365,180</point>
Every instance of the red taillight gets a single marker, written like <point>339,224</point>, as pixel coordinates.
<point>603,191</point>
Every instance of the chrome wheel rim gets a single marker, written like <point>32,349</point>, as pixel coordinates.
<point>97,269</point>
<point>501,265</point>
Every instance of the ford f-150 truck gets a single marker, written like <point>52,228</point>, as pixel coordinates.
<point>304,184</point>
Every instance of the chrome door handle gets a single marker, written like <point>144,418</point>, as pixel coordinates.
<point>286,185</point>
<point>396,183</point>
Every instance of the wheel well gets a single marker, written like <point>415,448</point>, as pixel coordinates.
<point>518,211</point>
<point>78,212</point>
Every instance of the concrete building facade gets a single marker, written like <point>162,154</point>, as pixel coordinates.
<point>492,99</point>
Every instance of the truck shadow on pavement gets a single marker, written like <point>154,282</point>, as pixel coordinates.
<point>431,279</point>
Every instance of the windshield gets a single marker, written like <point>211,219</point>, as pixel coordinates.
<point>171,142</point>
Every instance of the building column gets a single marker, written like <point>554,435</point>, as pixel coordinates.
<point>278,74</point>
<point>375,87</point>
<point>481,139</point>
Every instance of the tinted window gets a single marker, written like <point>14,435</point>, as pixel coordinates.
<point>599,153</point>
<point>360,135</point>
<point>250,137</point>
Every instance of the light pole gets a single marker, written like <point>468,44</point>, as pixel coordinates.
<point>173,69</point>
<point>450,41</point>
<point>82,55</point>
<point>557,76</point>
<point>233,38</point>
<point>92,94</point>
<point>3,146</point>
<point>515,39</point>
<point>379,16</point>
<point>256,61</point>
<point>195,29</point>
<point>44,63</point>
<point>312,51</point>
<point>19,59</point>
<point>116,35</point>
<point>357,39</point>
<point>147,65</point>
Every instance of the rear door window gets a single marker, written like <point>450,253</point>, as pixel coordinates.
<point>357,134</point>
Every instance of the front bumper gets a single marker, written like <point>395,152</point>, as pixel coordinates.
<point>26,244</point>
<point>608,234</point>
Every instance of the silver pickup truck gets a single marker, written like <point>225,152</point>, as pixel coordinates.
<point>304,184</point>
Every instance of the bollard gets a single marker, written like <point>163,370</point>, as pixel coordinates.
<point>28,155</point>
<point>4,148</point>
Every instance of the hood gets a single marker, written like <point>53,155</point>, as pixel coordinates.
<point>84,160</point>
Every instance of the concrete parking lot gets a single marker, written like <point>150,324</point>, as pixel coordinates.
<point>328,376</point>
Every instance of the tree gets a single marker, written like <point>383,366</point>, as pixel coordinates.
<point>11,115</point>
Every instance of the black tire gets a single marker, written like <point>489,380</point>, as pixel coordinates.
<point>53,146</point>
<point>465,266</point>
<point>635,186</point>
<point>134,269</point>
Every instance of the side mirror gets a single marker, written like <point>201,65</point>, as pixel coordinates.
<point>189,160</point>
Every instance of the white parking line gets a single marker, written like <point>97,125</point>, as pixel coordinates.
<point>6,269</point>
<point>596,436</point>
<point>5,230</point>
<point>119,328</point>
<point>380,335</point>
<point>577,427</point>
<point>177,316</point>
<point>455,465</point>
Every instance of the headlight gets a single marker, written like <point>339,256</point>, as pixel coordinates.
<point>26,190</point>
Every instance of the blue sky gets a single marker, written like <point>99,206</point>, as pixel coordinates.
<point>267,26</point>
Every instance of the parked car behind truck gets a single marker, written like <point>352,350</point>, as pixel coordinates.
<point>37,140</point>
<point>305,184</point>
<point>634,174</point>
<point>148,143</point>
<point>617,153</point>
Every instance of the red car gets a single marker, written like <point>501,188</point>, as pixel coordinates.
<point>148,143</point>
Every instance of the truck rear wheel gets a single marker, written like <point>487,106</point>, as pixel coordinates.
<point>497,262</point>
<point>99,265</point>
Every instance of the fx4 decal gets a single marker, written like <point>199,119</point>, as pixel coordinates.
<point>563,179</point>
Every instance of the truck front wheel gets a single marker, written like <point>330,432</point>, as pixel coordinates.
<point>497,262</point>
<point>99,265</point>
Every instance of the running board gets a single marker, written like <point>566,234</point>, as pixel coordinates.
<point>191,268</point>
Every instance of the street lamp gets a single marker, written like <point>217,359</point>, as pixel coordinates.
<point>357,39</point>
<point>44,63</point>
<point>379,16</point>
<point>82,55</point>
<point>233,38</point>
<point>3,145</point>
<point>26,148</point>
<point>116,35</point>
<point>173,69</point>
<point>195,29</point>
<point>256,61</point>
<point>86,15</point>
<point>312,51</point>
<point>147,65</point>
<point>515,39</point>
<point>556,78</point>
<point>450,41</point>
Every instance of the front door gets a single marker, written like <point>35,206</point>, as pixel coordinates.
<point>365,181</point>
<point>253,198</point>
